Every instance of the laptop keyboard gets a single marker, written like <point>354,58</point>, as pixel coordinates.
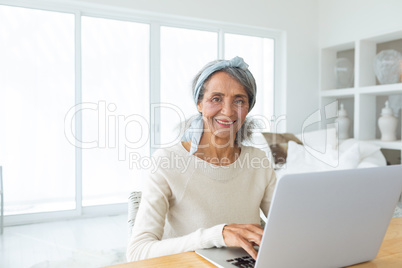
<point>243,262</point>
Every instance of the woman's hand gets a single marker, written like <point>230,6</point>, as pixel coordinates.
<point>243,235</point>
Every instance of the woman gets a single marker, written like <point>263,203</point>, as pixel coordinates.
<point>208,189</point>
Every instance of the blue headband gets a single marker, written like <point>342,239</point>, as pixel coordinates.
<point>194,132</point>
<point>236,62</point>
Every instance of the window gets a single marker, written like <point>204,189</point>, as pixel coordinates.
<point>36,90</point>
<point>183,53</point>
<point>115,71</point>
<point>82,92</point>
<point>258,52</point>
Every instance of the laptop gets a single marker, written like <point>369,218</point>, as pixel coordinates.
<point>323,219</point>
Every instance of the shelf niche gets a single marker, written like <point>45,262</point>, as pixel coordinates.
<point>380,103</point>
<point>395,45</point>
<point>365,100</point>
<point>348,103</point>
<point>329,56</point>
<point>368,49</point>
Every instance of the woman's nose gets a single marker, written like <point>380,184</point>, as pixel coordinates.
<point>227,109</point>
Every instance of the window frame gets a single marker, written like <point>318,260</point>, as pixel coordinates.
<point>155,22</point>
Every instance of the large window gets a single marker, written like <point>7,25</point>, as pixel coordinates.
<point>85,97</point>
<point>258,52</point>
<point>115,71</point>
<point>183,53</point>
<point>36,90</point>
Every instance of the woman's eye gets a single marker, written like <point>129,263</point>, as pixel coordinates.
<point>215,99</point>
<point>239,102</point>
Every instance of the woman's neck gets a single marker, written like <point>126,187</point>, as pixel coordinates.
<point>216,151</point>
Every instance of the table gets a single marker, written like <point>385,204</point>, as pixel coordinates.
<point>389,256</point>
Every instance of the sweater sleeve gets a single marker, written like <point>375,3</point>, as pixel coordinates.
<point>269,192</point>
<point>146,239</point>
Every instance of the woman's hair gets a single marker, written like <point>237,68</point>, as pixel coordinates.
<point>249,84</point>
<point>247,81</point>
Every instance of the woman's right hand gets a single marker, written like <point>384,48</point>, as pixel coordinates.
<point>243,235</point>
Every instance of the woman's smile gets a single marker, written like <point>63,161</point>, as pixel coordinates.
<point>225,123</point>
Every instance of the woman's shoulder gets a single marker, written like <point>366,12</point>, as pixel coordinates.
<point>254,151</point>
<point>176,149</point>
<point>256,159</point>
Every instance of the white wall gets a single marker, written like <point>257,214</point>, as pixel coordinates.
<point>343,21</point>
<point>299,18</point>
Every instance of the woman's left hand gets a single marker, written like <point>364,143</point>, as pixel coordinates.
<point>243,235</point>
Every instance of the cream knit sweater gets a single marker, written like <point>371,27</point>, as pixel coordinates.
<point>187,201</point>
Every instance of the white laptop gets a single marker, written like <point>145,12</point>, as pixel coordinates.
<point>323,219</point>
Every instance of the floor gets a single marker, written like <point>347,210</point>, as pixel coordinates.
<point>93,242</point>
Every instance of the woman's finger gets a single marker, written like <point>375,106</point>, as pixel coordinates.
<point>250,232</point>
<point>243,235</point>
<point>248,247</point>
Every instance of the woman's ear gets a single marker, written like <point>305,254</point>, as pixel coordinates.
<point>199,107</point>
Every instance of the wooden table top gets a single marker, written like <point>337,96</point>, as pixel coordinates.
<point>389,256</point>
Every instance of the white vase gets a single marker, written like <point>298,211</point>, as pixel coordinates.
<point>387,124</point>
<point>344,72</point>
<point>343,123</point>
<point>387,66</point>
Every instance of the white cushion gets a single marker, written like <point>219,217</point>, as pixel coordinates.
<point>350,154</point>
<point>301,160</point>
<point>319,138</point>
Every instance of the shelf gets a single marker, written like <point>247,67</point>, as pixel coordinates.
<point>393,145</point>
<point>364,100</point>
<point>386,37</point>
<point>328,58</point>
<point>345,92</point>
<point>368,49</point>
<point>390,89</point>
<point>381,90</point>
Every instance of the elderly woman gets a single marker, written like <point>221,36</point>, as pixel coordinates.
<point>209,189</point>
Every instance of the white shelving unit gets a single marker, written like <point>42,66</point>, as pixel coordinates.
<point>364,100</point>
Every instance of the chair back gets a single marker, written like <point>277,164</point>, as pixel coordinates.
<point>134,201</point>
<point>2,201</point>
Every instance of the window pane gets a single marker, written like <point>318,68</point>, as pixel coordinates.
<point>258,53</point>
<point>36,91</point>
<point>115,92</point>
<point>183,53</point>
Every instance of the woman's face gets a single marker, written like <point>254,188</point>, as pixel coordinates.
<point>224,106</point>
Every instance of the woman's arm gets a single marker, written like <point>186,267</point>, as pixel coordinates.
<point>146,240</point>
<point>249,235</point>
<point>268,194</point>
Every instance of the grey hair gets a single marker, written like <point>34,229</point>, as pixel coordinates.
<point>240,75</point>
<point>249,84</point>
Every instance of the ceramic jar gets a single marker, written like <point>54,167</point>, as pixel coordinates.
<point>387,124</point>
<point>343,123</point>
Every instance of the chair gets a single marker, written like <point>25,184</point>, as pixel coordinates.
<point>1,200</point>
<point>133,204</point>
